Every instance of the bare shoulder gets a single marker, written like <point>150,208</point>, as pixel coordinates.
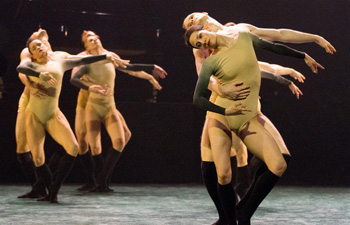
<point>25,55</point>
<point>247,26</point>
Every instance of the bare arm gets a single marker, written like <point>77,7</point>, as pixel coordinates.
<point>281,70</point>
<point>291,36</point>
<point>145,76</point>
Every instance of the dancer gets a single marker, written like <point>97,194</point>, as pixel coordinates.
<point>44,114</point>
<point>99,109</point>
<point>237,91</point>
<point>243,41</point>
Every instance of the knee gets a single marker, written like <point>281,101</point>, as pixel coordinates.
<point>279,168</point>
<point>224,177</point>
<point>73,150</point>
<point>118,143</point>
<point>39,161</point>
<point>128,135</point>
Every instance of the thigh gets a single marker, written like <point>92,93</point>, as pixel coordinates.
<point>93,129</point>
<point>114,127</point>
<point>261,143</point>
<point>59,129</point>
<point>239,150</point>
<point>127,131</point>
<point>206,154</point>
<point>21,136</point>
<point>220,139</point>
<point>274,132</point>
<point>35,138</point>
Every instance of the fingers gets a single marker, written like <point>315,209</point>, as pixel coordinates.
<point>238,83</point>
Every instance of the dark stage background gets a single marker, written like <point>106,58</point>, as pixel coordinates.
<point>166,135</point>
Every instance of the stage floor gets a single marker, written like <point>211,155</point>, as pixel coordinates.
<point>171,204</point>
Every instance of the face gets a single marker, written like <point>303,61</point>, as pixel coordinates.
<point>196,18</point>
<point>38,49</point>
<point>203,39</point>
<point>42,35</point>
<point>92,42</point>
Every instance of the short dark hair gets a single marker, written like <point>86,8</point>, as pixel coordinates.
<point>30,40</point>
<point>189,32</point>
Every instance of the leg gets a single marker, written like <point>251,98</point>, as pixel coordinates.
<point>220,139</point>
<point>115,130</point>
<point>209,175</point>
<point>36,139</point>
<point>59,129</point>
<point>127,132</point>
<point>243,175</point>
<point>263,145</point>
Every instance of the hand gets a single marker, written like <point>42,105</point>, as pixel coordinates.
<point>48,78</point>
<point>312,63</point>
<point>159,72</point>
<point>117,62</point>
<point>297,76</point>
<point>234,91</point>
<point>155,84</point>
<point>326,45</point>
<point>237,108</point>
<point>98,89</point>
<point>295,90</point>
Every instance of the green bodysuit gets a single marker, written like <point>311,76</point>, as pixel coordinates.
<point>237,63</point>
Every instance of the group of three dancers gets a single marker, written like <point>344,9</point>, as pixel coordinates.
<point>228,54</point>
<point>39,111</point>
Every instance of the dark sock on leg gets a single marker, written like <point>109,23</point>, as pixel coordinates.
<point>287,158</point>
<point>243,181</point>
<point>99,163</point>
<point>28,167</point>
<point>44,175</point>
<point>111,160</point>
<point>55,159</point>
<point>89,167</point>
<point>234,170</point>
<point>261,189</point>
<point>64,167</point>
<point>211,183</point>
<point>227,197</point>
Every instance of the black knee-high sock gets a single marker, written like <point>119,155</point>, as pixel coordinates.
<point>210,180</point>
<point>287,158</point>
<point>256,168</point>
<point>89,166</point>
<point>227,197</point>
<point>63,169</point>
<point>234,170</point>
<point>28,167</point>
<point>262,188</point>
<point>111,160</point>
<point>99,163</point>
<point>55,159</point>
<point>243,180</point>
<point>45,175</point>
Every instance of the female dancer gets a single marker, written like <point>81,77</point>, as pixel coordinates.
<point>248,123</point>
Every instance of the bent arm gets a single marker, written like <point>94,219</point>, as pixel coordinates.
<point>79,73</point>
<point>27,68</point>
<point>199,99</point>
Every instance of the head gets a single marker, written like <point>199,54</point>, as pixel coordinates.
<point>90,40</point>
<point>36,48</point>
<point>196,18</point>
<point>42,35</point>
<point>197,37</point>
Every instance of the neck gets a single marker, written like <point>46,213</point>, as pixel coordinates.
<point>223,41</point>
<point>214,25</point>
<point>96,51</point>
<point>42,60</point>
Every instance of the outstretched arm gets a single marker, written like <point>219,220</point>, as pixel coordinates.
<point>281,70</point>
<point>291,36</point>
<point>284,50</point>
<point>155,70</point>
<point>145,76</point>
<point>70,63</point>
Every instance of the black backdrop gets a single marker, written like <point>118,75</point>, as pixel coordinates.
<point>166,136</point>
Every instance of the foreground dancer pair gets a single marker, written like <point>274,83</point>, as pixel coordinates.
<point>94,109</point>
<point>43,114</point>
<point>204,43</point>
